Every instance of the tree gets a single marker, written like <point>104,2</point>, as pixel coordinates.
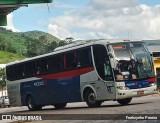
<point>69,39</point>
<point>32,47</point>
<point>62,43</point>
<point>51,46</point>
<point>9,48</point>
<point>43,38</point>
<point>2,79</point>
<point>40,46</point>
<point>2,44</point>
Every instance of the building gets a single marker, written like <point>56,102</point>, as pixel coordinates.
<point>8,6</point>
<point>155,51</point>
<point>4,92</point>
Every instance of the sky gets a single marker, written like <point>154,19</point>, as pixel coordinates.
<point>91,19</point>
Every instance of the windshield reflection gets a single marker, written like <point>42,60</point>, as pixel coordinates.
<point>132,61</point>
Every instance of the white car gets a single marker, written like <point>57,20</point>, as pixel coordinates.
<point>4,101</point>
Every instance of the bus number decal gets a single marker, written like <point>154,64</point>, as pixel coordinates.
<point>42,83</point>
<point>109,88</point>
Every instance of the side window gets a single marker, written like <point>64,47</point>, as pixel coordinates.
<point>20,71</point>
<point>78,58</point>
<point>30,68</point>
<point>11,73</point>
<point>55,63</point>
<point>69,60</point>
<point>84,57</point>
<point>42,66</point>
<point>102,62</point>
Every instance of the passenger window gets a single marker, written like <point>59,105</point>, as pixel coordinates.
<point>42,66</point>
<point>69,60</point>
<point>11,73</point>
<point>84,57</point>
<point>20,71</point>
<point>30,68</point>
<point>55,63</point>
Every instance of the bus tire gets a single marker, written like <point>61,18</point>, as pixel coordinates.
<point>124,101</point>
<point>90,99</point>
<point>31,105</point>
<point>60,105</point>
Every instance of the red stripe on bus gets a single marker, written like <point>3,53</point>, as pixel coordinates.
<point>67,74</point>
<point>151,79</point>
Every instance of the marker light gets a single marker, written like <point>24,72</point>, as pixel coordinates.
<point>123,88</point>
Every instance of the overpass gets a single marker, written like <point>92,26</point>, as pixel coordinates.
<point>8,6</point>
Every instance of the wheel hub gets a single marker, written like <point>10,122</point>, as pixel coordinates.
<point>91,98</point>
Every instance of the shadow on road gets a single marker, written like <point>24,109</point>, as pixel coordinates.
<point>79,107</point>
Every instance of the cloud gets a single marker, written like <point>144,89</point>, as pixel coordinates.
<point>109,19</point>
<point>111,4</point>
<point>62,33</point>
<point>10,24</point>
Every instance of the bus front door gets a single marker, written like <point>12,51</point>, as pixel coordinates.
<point>105,82</point>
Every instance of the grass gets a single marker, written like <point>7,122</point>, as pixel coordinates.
<point>6,57</point>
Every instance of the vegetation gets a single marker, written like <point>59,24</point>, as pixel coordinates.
<point>29,44</point>
<point>6,57</point>
<point>41,46</point>
<point>17,46</point>
<point>12,42</point>
<point>2,78</point>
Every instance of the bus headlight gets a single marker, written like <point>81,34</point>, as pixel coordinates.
<point>123,88</point>
<point>152,84</point>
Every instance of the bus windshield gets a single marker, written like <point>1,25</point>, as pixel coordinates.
<point>132,61</point>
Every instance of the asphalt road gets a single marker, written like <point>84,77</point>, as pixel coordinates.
<point>140,108</point>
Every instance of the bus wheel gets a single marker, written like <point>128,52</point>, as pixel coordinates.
<point>124,101</point>
<point>31,106</point>
<point>60,105</point>
<point>90,99</point>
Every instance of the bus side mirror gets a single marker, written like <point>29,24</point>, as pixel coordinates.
<point>110,55</point>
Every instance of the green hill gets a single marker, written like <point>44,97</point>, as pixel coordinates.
<point>6,57</point>
<point>12,40</point>
<point>31,43</point>
<point>39,35</point>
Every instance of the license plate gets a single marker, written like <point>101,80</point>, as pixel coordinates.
<point>140,92</point>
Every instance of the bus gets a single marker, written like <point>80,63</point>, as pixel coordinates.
<point>91,71</point>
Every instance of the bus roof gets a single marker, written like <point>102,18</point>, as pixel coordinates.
<point>75,45</point>
<point>93,41</point>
